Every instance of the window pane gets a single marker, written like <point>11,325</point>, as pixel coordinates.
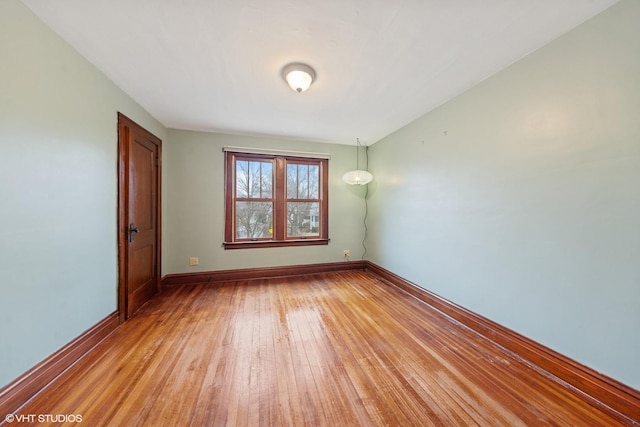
<point>254,179</point>
<point>303,181</point>
<point>292,181</point>
<point>314,182</point>
<point>254,220</point>
<point>266,187</point>
<point>242,178</point>
<point>303,219</point>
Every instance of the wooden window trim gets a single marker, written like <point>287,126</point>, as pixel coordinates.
<point>280,203</point>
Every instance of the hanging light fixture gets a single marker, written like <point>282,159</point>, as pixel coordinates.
<point>298,76</point>
<point>357,177</point>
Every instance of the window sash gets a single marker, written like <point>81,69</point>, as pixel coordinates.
<point>253,198</point>
<point>257,178</point>
<point>303,199</point>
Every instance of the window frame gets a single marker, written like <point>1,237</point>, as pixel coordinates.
<point>279,195</point>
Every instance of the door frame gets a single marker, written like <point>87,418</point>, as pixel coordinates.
<point>124,126</point>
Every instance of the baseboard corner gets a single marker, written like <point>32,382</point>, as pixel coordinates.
<point>21,390</point>
<point>582,380</point>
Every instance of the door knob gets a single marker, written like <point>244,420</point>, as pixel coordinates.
<point>132,232</point>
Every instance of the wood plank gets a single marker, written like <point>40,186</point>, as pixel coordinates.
<point>342,348</point>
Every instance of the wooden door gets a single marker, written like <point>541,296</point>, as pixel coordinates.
<point>138,216</point>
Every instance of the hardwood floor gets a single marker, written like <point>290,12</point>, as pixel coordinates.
<point>333,349</point>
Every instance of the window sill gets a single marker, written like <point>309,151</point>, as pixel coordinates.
<point>274,244</point>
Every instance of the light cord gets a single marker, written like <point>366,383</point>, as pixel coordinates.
<point>366,204</point>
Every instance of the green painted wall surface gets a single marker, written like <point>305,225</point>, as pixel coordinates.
<point>195,211</point>
<point>58,186</point>
<point>520,199</point>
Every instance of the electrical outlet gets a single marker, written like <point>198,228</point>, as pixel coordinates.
<point>347,253</point>
<point>194,260</point>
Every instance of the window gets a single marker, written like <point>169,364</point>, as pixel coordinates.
<point>275,200</point>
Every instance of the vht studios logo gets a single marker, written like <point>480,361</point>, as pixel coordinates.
<point>43,418</point>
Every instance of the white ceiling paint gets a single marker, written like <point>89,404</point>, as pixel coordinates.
<point>215,65</point>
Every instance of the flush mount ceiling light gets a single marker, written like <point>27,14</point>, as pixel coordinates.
<point>299,76</point>
<point>357,177</point>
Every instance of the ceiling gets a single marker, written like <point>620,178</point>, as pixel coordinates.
<point>215,65</point>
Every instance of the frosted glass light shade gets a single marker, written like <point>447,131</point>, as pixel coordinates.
<point>357,177</point>
<point>299,76</point>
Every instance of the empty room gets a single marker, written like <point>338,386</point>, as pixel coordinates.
<point>295,213</point>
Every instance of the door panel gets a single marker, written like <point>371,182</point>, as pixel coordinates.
<point>139,153</point>
<point>142,209</point>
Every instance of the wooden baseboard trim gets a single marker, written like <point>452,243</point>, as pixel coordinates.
<point>24,388</point>
<point>580,379</point>
<point>258,273</point>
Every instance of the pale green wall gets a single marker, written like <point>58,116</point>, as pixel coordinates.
<point>195,212</point>
<point>58,181</point>
<point>520,199</point>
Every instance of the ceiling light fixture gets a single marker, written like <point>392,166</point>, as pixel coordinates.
<point>299,76</point>
<point>357,177</point>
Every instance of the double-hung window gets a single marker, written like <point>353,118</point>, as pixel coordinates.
<point>275,199</point>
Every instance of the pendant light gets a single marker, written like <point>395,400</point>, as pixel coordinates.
<point>357,176</point>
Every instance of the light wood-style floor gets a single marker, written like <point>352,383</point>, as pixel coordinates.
<point>335,349</point>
